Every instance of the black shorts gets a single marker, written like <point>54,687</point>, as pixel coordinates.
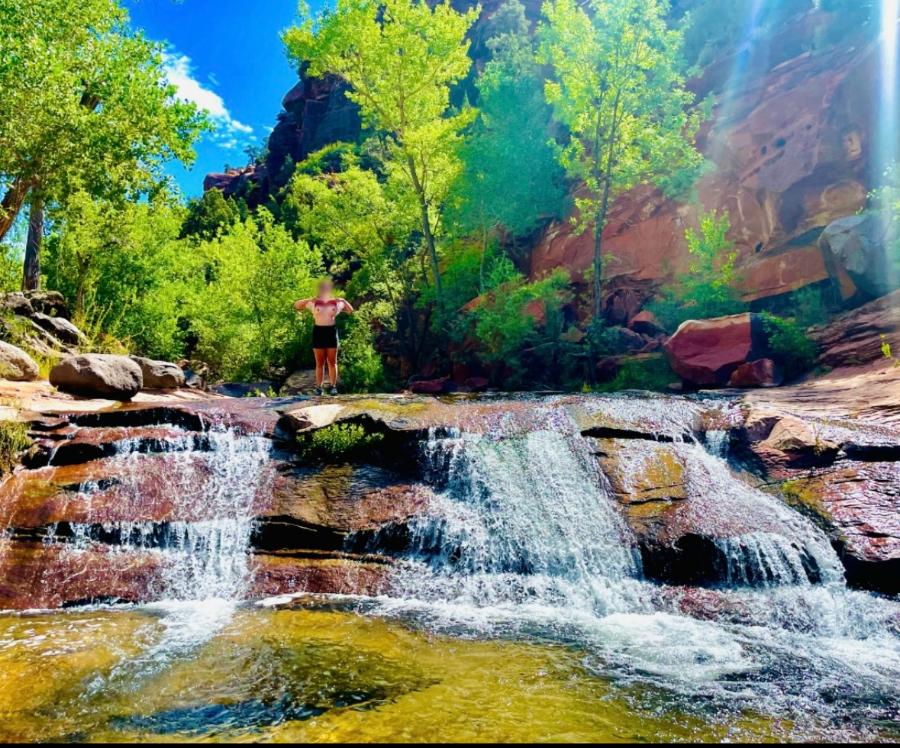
<point>324,336</point>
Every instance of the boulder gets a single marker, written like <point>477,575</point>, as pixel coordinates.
<point>859,245</point>
<point>796,443</point>
<point>645,323</point>
<point>160,375</point>
<point>60,328</point>
<point>628,340</point>
<point>758,373</point>
<point>432,386</point>
<point>49,302</point>
<point>476,384</point>
<point>17,303</point>
<point>16,365</point>
<point>98,375</point>
<point>300,381</point>
<point>856,337</point>
<point>705,353</point>
<point>243,389</point>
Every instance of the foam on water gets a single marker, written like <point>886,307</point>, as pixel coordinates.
<point>201,559</point>
<point>525,539</point>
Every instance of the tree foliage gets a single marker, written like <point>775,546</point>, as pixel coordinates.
<point>510,180</point>
<point>400,58</point>
<point>618,87</point>
<point>85,105</point>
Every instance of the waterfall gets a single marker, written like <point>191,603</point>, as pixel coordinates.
<point>211,485</point>
<point>524,519</point>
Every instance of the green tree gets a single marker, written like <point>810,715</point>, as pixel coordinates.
<point>618,88</point>
<point>511,179</point>
<point>211,213</point>
<point>85,105</point>
<point>124,271</point>
<point>242,318</point>
<point>400,59</point>
<point>363,226</point>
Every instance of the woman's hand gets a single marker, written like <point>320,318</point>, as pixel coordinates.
<point>301,304</point>
<point>347,308</point>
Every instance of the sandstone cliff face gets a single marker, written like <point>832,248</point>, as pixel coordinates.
<point>789,146</point>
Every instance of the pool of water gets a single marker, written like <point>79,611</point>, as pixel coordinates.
<point>157,673</point>
<point>205,671</point>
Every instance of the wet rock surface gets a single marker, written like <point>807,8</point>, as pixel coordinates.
<point>339,521</point>
<point>839,464</point>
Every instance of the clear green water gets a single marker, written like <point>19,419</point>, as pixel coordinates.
<point>314,675</point>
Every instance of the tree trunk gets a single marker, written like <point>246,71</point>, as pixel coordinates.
<point>12,203</point>
<point>598,270</point>
<point>426,225</point>
<point>31,276</point>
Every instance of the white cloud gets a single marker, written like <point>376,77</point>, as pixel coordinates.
<point>179,72</point>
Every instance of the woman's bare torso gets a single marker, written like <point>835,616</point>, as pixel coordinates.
<point>325,312</point>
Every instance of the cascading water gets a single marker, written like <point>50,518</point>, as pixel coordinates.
<point>520,519</point>
<point>211,484</point>
<point>524,538</point>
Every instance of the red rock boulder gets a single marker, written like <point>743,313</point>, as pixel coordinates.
<point>706,352</point>
<point>758,373</point>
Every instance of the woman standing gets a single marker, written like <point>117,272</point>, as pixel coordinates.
<point>325,309</point>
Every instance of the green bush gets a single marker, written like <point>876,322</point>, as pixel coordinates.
<point>361,367</point>
<point>809,308</point>
<point>340,441</point>
<point>710,288</point>
<point>505,330</point>
<point>650,372</point>
<point>791,350</point>
<point>13,440</point>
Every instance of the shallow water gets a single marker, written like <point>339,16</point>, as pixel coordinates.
<point>319,675</point>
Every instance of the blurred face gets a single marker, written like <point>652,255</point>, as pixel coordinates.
<point>325,289</point>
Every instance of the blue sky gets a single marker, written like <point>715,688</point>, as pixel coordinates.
<point>226,56</point>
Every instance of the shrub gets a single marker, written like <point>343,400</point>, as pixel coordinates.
<point>340,441</point>
<point>709,289</point>
<point>506,331</point>
<point>645,373</point>
<point>361,366</point>
<point>809,308</point>
<point>13,440</point>
<point>791,350</point>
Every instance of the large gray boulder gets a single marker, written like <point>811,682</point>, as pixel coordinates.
<point>159,375</point>
<point>16,365</point>
<point>60,328</point>
<point>98,375</point>
<point>860,245</point>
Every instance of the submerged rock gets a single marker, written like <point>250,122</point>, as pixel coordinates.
<point>98,375</point>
